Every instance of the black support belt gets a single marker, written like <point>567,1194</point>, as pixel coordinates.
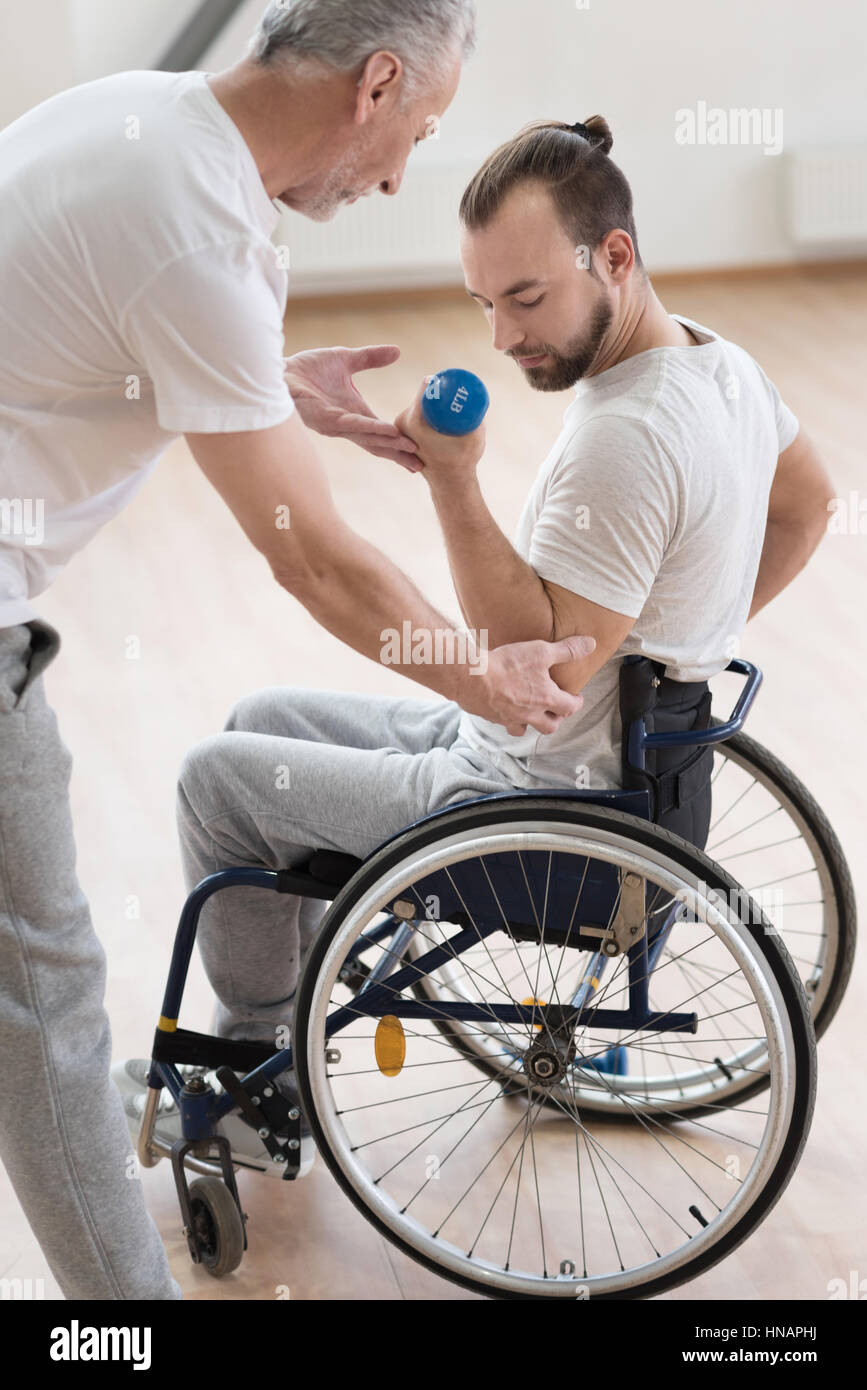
<point>678,779</point>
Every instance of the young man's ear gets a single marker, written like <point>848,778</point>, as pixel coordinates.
<point>617,256</point>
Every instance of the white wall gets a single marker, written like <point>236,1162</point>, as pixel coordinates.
<point>117,35</point>
<point>636,63</point>
<point>36,55</point>
<point>232,42</point>
<point>49,45</point>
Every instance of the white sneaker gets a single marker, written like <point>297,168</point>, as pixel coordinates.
<point>247,1149</point>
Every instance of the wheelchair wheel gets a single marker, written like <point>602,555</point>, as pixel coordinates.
<point>512,1179</point>
<point>218,1224</point>
<point>769,833</point>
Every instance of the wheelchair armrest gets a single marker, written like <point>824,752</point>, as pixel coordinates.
<point>717,732</point>
<point>322,877</point>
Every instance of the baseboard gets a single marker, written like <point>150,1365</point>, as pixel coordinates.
<point>407,298</point>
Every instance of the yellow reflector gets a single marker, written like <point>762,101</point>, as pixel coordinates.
<point>389,1045</point>
<point>167,1025</point>
<point>529,1004</point>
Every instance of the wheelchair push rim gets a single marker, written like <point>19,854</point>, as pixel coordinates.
<point>768,831</point>
<point>416,1211</point>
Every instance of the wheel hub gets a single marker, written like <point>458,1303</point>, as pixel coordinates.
<point>545,1065</point>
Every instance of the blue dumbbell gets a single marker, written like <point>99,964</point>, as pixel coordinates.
<point>455,402</point>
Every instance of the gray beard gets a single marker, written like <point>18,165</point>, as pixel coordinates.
<point>339,185</point>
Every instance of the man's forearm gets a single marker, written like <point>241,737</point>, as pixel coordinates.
<point>498,591</point>
<point>785,552</point>
<point>355,592</point>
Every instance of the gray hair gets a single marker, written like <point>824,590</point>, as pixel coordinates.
<point>427,35</point>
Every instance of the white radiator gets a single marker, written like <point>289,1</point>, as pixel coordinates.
<point>381,242</point>
<point>827,194</point>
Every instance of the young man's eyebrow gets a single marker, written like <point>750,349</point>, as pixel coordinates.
<point>513,289</point>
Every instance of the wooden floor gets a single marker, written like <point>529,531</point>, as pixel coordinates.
<point>176,573</point>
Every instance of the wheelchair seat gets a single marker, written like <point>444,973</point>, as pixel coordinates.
<point>331,869</point>
<point>669,784</point>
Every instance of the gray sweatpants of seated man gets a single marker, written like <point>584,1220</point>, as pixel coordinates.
<point>297,770</point>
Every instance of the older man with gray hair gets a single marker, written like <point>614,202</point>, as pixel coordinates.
<point>143,301</point>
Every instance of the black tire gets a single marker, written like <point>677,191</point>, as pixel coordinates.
<point>218,1225</point>
<point>776,958</point>
<point>839,967</point>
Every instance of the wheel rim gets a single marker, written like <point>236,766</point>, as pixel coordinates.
<point>752,1140</point>
<point>753,815</point>
<point>760,837</point>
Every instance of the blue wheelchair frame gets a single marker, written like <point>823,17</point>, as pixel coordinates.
<point>200,1114</point>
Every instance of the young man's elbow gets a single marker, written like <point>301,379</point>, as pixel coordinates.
<point>820,519</point>
<point>806,538</point>
<point>826,508</point>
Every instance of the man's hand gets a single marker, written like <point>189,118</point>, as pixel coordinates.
<point>444,456</point>
<point>517,689</point>
<point>320,383</point>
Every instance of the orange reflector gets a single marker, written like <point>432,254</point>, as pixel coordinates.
<point>389,1045</point>
<point>529,1004</point>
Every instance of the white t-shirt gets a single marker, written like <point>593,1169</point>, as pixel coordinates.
<point>653,502</point>
<point>141,298</point>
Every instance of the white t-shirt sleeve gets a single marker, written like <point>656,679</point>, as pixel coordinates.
<point>787,422</point>
<point>208,329</point>
<point>608,514</point>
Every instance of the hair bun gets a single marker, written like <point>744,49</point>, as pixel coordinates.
<point>596,130</point>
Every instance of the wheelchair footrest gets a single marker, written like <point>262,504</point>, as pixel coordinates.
<point>204,1050</point>
<point>268,1113</point>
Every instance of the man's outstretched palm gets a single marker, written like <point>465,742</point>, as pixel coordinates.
<point>320,383</point>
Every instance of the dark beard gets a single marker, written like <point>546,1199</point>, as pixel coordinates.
<point>571,366</point>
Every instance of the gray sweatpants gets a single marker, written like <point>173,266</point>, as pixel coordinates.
<point>296,770</point>
<point>63,1133</point>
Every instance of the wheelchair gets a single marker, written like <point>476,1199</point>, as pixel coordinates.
<point>555,1043</point>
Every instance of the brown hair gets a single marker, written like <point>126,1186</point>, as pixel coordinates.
<point>589,191</point>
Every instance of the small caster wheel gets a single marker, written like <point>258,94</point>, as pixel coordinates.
<point>218,1226</point>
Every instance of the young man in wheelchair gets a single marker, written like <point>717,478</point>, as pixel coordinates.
<point>679,498</point>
